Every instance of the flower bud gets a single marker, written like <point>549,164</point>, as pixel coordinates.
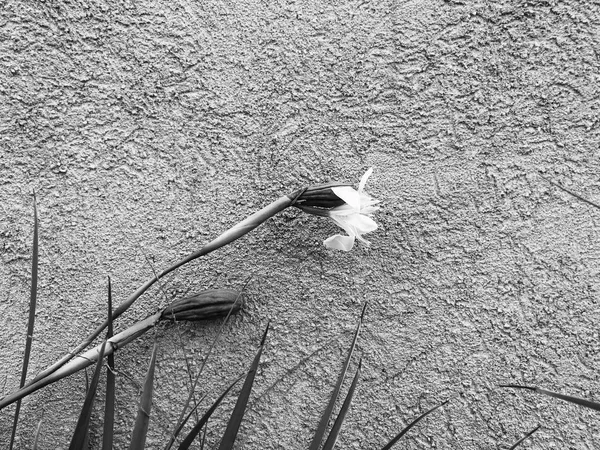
<point>320,196</point>
<point>208,304</point>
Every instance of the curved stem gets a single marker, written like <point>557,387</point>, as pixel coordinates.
<point>227,237</point>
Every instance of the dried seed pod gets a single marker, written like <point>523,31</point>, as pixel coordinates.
<point>208,304</point>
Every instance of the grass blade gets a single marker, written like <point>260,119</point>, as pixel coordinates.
<point>524,437</point>
<point>180,427</point>
<point>36,440</point>
<point>31,321</point>
<point>140,429</point>
<point>81,430</point>
<point>109,405</point>
<point>412,424</point>
<point>198,427</point>
<point>320,433</point>
<point>212,346</point>
<point>335,430</point>
<point>567,398</point>
<point>240,406</point>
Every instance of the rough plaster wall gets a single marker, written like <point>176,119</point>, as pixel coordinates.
<point>147,128</point>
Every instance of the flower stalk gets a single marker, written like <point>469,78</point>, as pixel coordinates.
<point>227,237</point>
<point>206,305</point>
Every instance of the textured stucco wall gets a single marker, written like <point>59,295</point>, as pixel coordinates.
<point>147,128</point>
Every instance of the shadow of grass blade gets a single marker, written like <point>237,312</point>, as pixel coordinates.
<point>412,424</point>
<point>567,398</point>
<point>81,430</point>
<point>577,196</point>
<point>185,444</point>
<point>520,441</point>
<point>240,406</point>
<point>320,433</point>
<point>140,429</point>
<point>109,405</point>
<point>31,321</point>
<point>335,430</point>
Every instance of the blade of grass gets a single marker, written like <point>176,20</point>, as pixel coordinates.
<point>520,441</point>
<point>187,418</point>
<point>240,406</point>
<point>567,398</point>
<point>337,425</point>
<point>320,432</point>
<point>31,321</point>
<point>109,405</point>
<point>140,429</point>
<point>83,423</point>
<point>410,425</point>
<point>185,444</point>
<point>212,346</point>
<point>185,356</point>
<point>36,440</point>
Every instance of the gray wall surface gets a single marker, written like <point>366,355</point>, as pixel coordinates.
<point>147,128</point>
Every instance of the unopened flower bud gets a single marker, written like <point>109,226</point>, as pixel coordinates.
<point>320,196</point>
<point>208,304</point>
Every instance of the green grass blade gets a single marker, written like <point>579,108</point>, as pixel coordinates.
<point>520,441</point>
<point>140,429</point>
<point>412,424</point>
<point>185,444</point>
<point>81,430</point>
<point>321,428</point>
<point>240,406</point>
<point>109,405</point>
<point>335,430</point>
<point>567,398</point>
<point>31,321</point>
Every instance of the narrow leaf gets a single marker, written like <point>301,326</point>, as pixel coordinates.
<point>180,427</point>
<point>81,430</point>
<point>320,433</point>
<point>31,322</point>
<point>524,437</point>
<point>412,424</point>
<point>212,346</point>
<point>109,405</point>
<point>198,427</point>
<point>568,398</point>
<point>37,435</point>
<point>335,430</point>
<point>140,429</point>
<point>240,407</point>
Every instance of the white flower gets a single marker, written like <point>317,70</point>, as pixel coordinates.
<point>353,216</point>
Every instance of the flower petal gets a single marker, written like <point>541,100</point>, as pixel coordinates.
<point>362,224</point>
<point>349,195</point>
<point>339,242</point>
<point>364,179</point>
<point>345,224</point>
